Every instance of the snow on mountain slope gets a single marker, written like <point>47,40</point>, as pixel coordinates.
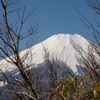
<point>60,45</point>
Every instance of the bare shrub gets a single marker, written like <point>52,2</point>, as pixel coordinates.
<point>91,61</point>
<point>11,35</point>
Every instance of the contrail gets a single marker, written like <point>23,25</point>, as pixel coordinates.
<point>46,19</point>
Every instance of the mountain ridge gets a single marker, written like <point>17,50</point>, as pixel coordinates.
<point>61,45</point>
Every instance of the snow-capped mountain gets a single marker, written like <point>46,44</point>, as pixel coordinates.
<point>61,45</point>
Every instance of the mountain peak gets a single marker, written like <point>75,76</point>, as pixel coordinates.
<point>61,46</point>
<point>63,39</point>
<point>65,36</point>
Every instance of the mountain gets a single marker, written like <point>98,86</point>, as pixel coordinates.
<point>61,46</point>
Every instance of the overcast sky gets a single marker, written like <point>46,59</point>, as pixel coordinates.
<point>57,16</point>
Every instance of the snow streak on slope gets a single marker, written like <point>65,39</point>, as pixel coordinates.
<point>61,46</point>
